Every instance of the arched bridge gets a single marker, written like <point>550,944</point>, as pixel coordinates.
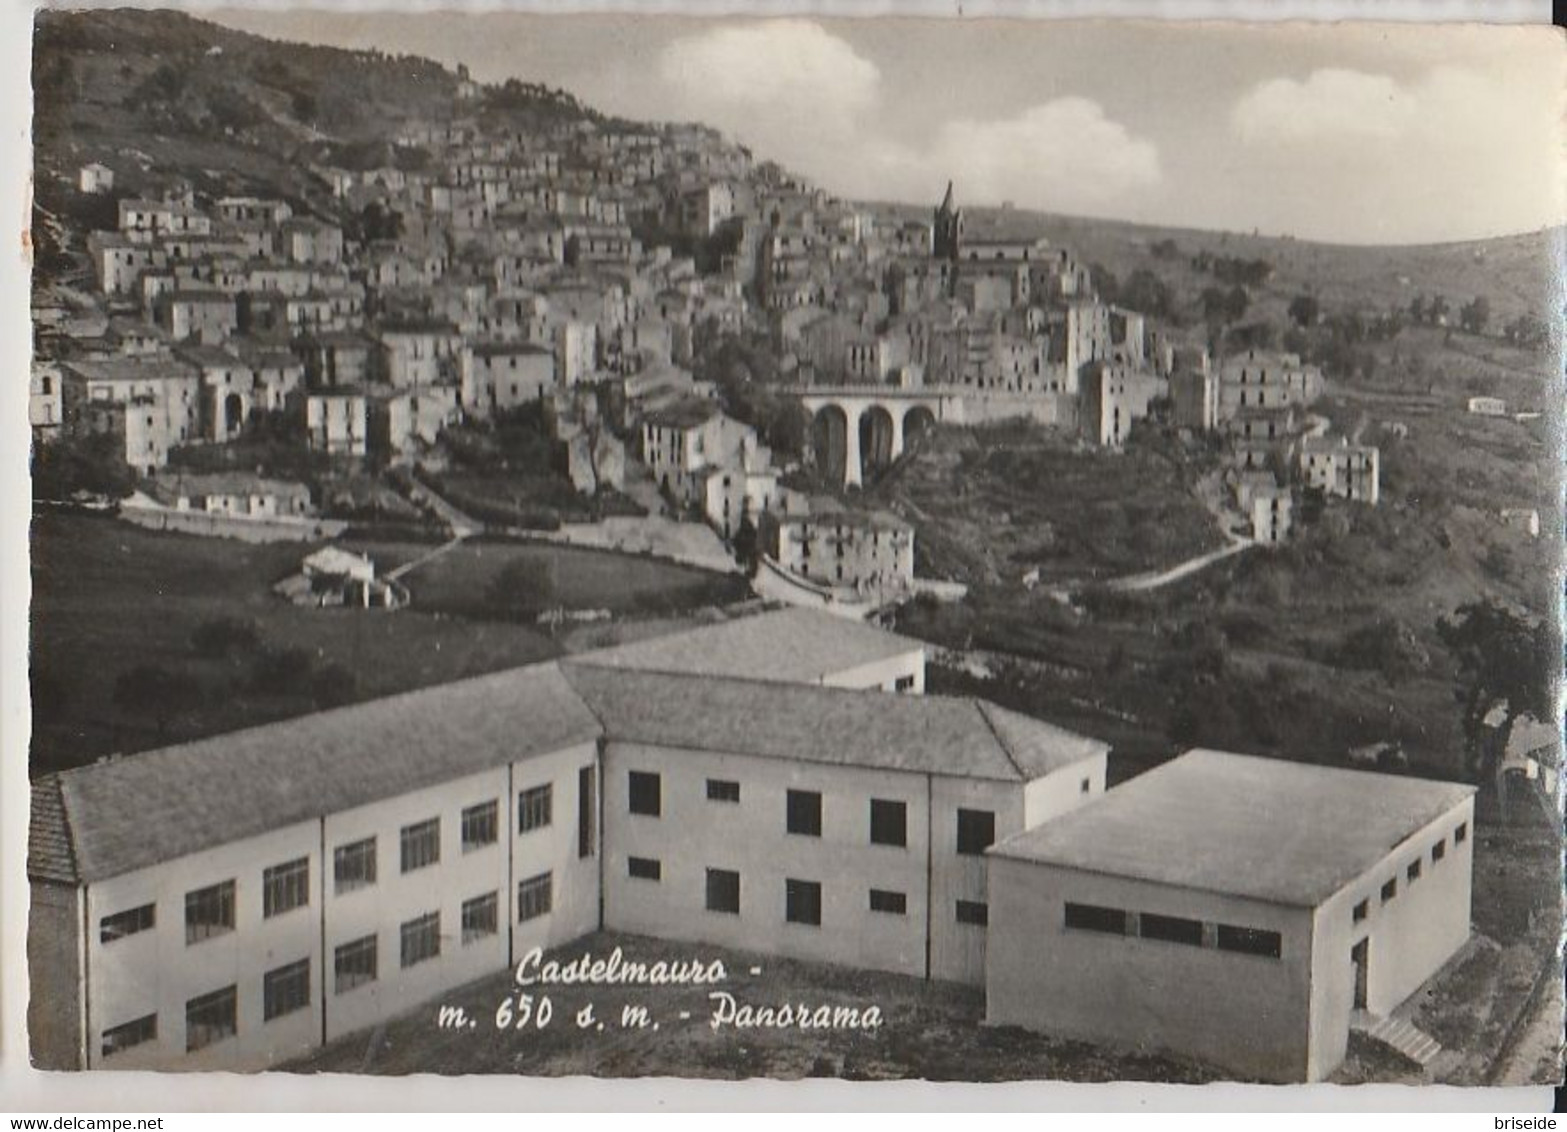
<point>858,428</point>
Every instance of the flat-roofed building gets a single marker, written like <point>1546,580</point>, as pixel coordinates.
<point>1231,908</point>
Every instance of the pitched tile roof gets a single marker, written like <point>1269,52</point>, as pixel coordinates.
<point>809,723</point>
<point>1266,829</point>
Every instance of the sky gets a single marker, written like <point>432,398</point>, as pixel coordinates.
<point>1352,133</point>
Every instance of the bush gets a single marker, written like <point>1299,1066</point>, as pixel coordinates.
<point>220,637</point>
<point>281,672</point>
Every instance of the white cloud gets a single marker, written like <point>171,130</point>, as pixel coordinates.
<point>767,76</point>
<point>1329,102</point>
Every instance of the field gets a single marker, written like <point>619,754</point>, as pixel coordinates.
<point>109,598</point>
<point>929,1031</point>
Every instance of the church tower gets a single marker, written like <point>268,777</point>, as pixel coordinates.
<point>947,229</point>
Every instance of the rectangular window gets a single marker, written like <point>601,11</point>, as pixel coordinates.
<point>134,1033</point>
<point>723,891</point>
<point>209,912</point>
<point>903,684</point>
<point>285,887</point>
<point>421,939</point>
<point>285,990</point>
<point>803,902</point>
<point>1362,910</point>
<point>535,808</point>
<point>480,826</point>
<point>645,868</point>
<point>1413,871</point>
<point>1171,929</point>
<point>534,897</point>
<point>480,917</point>
<point>1439,850</point>
<point>804,812</point>
<point>976,831</point>
<point>973,912</point>
<point>893,903</point>
<point>209,1018</point>
<point>354,964</point>
<point>129,922</point>
<point>646,793</point>
<point>1461,834</point>
<point>1086,786</point>
<point>353,865</point>
<point>889,822</point>
<point>1389,890</point>
<point>1092,918</point>
<point>421,844</point>
<point>722,790</point>
<point>587,811</point>
<point>1250,941</point>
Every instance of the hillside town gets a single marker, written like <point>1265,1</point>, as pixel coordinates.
<point>543,567</point>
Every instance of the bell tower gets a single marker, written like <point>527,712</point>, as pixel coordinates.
<point>947,229</point>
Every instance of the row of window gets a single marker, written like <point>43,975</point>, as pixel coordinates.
<point>1173,929</point>
<point>1412,871</point>
<point>802,898</point>
<point>212,1017</point>
<point>210,911</point>
<point>976,829</point>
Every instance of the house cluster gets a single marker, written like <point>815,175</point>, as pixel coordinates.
<point>1260,401</point>
<point>777,783</point>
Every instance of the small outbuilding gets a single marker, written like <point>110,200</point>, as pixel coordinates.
<point>1234,909</point>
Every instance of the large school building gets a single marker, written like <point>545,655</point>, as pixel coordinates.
<point>236,901</point>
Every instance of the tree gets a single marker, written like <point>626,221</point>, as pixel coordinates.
<point>1221,306</point>
<point>747,546</point>
<point>1504,662</point>
<point>152,690</point>
<point>1526,331</point>
<point>1304,310</point>
<point>1437,311</point>
<point>1146,292</point>
<point>1474,315</point>
<point>524,589</point>
<point>1104,282</point>
<point>1417,309</point>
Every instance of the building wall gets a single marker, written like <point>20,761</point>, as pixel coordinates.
<point>156,971</point>
<point>1245,1013</point>
<point>884,674</point>
<point>56,976</point>
<point>694,833</point>
<point>1065,790</point>
<point>957,950</point>
<point>1409,937</point>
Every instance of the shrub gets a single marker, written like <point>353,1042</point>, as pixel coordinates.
<point>219,637</point>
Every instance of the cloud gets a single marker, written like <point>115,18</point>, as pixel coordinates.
<point>762,76</point>
<point>1406,156</point>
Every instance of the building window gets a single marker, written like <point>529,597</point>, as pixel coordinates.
<point>534,897</point>
<point>1461,834</point>
<point>1171,929</point>
<point>209,1018</point>
<point>354,964</point>
<point>1092,918</point>
<point>803,902</point>
<point>889,822</point>
<point>1362,910</point>
<point>1413,871</point>
<point>421,844</point>
<point>137,1032</point>
<point>973,912</point>
<point>285,887</point>
<point>353,865</point>
<point>1389,890</point>
<point>129,922</point>
<point>1249,941</point>
<point>209,912</point>
<point>587,811</point>
<point>535,808</point>
<point>480,826</point>
<point>480,917</point>
<point>646,793</point>
<point>645,868</point>
<point>722,790</point>
<point>421,939</point>
<point>903,684</point>
<point>804,812</point>
<point>893,903</point>
<point>285,990</point>
<point>976,831</point>
<point>1439,850</point>
<point>723,891</point>
<point>1086,786</point>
